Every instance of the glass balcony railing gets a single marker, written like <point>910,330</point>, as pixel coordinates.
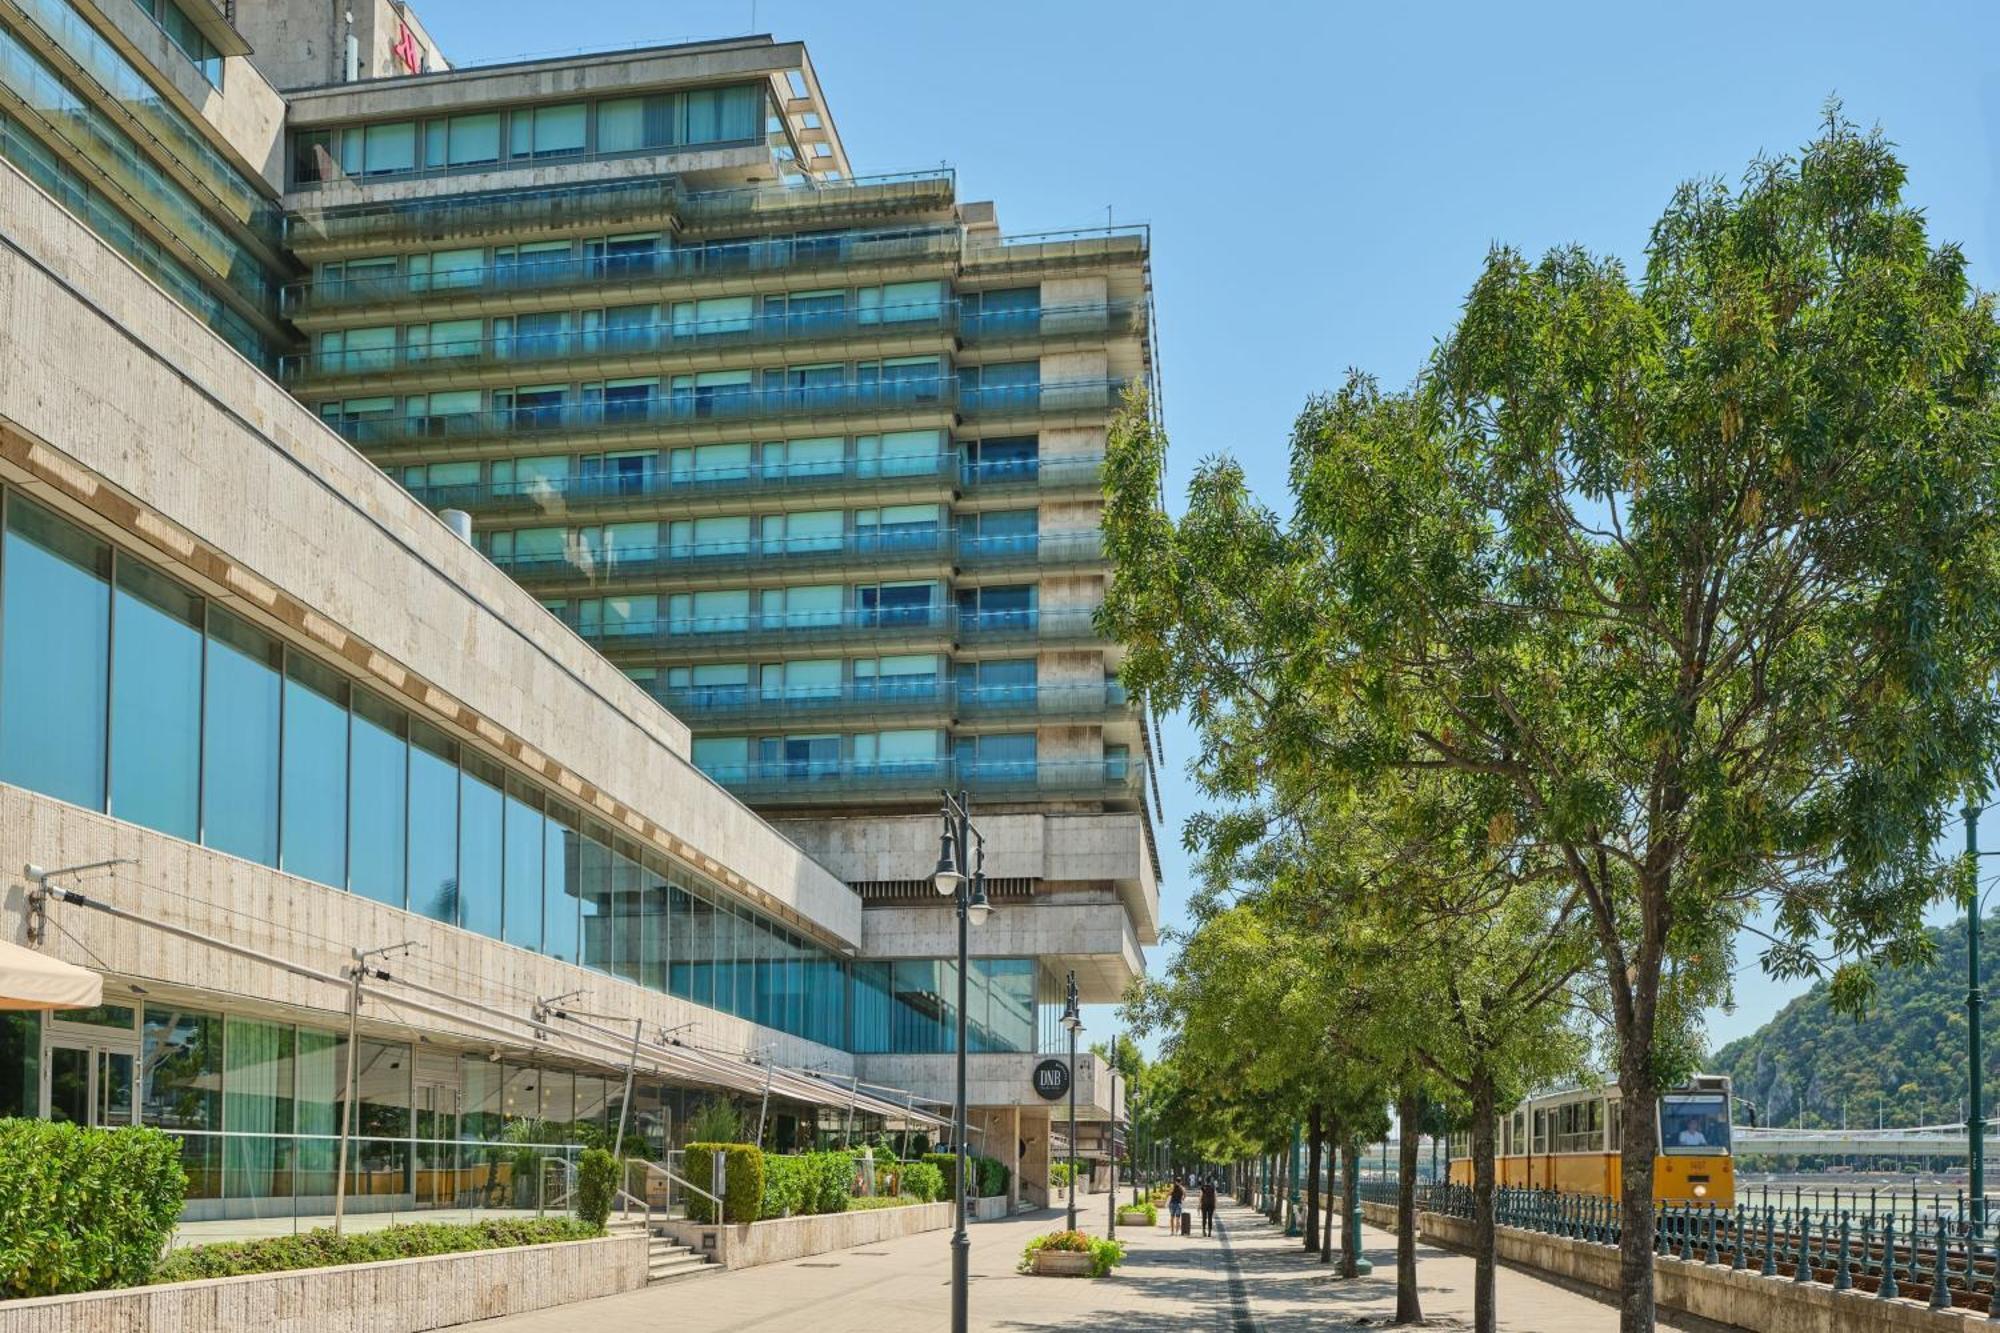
<point>814,780</point>
<point>706,705</point>
<point>774,254</point>
<point>926,545</point>
<point>657,199</point>
<point>652,485</point>
<point>653,341</point>
<point>437,216</point>
<point>897,192</point>
<point>735,403</point>
<point>916,546</point>
<point>1056,248</point>
<point>541,494</point>
<point>926,623</point>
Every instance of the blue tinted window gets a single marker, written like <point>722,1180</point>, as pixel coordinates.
<point>680,970</point>
<point>524,869</point>
<point>314,820</point>
<point>627,928</point>
<point>653,930</point>
<point>594,893</point>
<point>156,702</point>
<point>479,846</point>
<point>239,801</point>
<point>560,886</point>
<point>433,823</point>
<point>699,948</point>
<point>54,656</point>
<point>377,800</point>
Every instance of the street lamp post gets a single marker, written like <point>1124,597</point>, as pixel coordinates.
<point>962,877</point>
<point>1072,1018</point>
<point>1111,1149</point>
<point>1975,1000</point>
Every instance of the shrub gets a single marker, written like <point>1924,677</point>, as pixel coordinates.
<point>784,1187</point>
<point>718,1121</point>
<point>989,1175</point>
<point>596,1185</point>
<point>84,1209</point>
<point>1152,1213</point>
<point>829,1181</point>
<point>858,1204</point>
<point>322,1249</point>
<point>1104,1254</point>
<point>742,1180</point>
<point>923,1181</point>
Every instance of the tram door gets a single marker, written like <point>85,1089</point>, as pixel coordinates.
<point>89,1082</point>
<point>440,1161</point>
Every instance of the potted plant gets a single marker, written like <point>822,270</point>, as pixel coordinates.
<point>1070,1254</point>
<point>1138,1215</point>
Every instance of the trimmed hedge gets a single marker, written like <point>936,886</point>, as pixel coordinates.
<point>320,1248</point>
<point>814,1182</point>
<point>881,1201</point>
<point>784,1187</point>
<point>742,1177</point>
<point>923,1181</point>
<point>84,1209</point>
<point>596,1185</point>
<point>989,1175</point>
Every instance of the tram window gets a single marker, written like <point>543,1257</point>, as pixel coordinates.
<point>1694,1123</point>
<point>1617,1126</point>
<point>1541,1131</point>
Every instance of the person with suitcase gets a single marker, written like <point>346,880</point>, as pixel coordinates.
<point>1176,1201</point>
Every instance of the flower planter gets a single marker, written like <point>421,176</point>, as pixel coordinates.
<point>1134,1220</point>
<point>1061,1263</point>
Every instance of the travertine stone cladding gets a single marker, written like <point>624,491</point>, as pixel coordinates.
<point>215,452</point>
<point>222,897</point>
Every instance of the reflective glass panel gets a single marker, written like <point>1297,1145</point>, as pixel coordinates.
<point>156,702</point>
<point>377,800</point>
<point>561,885</point>
<point>479,906</point>
<point>433,823</point>
<point>239,803</point>
<point>54,656</point>
<point>314,821</point>
<point>524,869</point>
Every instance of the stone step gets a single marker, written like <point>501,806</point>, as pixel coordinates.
<point>681,1265</point>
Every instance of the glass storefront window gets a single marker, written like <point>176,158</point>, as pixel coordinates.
<point>181,1054</point>
<point>257,1109</point>
<point>55,648</point>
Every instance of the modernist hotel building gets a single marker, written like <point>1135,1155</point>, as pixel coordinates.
<point>556,525</point>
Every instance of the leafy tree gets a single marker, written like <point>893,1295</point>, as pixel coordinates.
<point>1702,566</point>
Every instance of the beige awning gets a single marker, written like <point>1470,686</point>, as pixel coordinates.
<point>30,980</point>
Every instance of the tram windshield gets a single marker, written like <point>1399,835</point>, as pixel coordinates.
<point>1694,1123</point>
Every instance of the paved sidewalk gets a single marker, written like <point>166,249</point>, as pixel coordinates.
<point>1252,1279</point>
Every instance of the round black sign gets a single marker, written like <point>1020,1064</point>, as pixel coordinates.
<point>1052,1079</point>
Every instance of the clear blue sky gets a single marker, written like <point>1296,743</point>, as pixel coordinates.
<point>1323,179</point>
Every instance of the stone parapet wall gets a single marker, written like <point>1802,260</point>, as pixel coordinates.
<point>753,1244</point>
<point>399,1296</point>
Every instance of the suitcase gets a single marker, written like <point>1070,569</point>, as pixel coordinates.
<point>1187,1224</point>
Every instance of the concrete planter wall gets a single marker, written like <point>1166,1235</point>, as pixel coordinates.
<point>1741,1298</point>
<point>750,1244</point>
<point>397,1296</point>
<point>990,1209</point>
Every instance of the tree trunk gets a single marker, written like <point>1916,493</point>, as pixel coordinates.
<point>1409,1108</point>
<point>1484,1319</point>
<point>1638,1098</point>
<point>1350,1207</point>
<point>1331,1133</point>
<point>1313,1127</point>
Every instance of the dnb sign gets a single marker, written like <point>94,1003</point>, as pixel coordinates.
<point>1052,1079</point>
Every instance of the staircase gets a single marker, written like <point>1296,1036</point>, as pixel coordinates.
<point>666,1261</point>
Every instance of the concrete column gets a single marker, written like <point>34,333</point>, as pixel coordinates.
<point>1014,1161</point>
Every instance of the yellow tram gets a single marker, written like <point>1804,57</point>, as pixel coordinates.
<point>1571,1141</point>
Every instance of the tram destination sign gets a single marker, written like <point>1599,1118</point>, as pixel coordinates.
<point>1052,1079</point>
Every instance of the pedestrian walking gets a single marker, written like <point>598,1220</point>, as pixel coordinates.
<point>1208,1206</point>
<point>1175,1201</point>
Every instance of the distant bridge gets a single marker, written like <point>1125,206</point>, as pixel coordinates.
<point>1919,1141</point>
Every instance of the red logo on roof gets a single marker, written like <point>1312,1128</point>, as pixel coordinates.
<point>408,54</point>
